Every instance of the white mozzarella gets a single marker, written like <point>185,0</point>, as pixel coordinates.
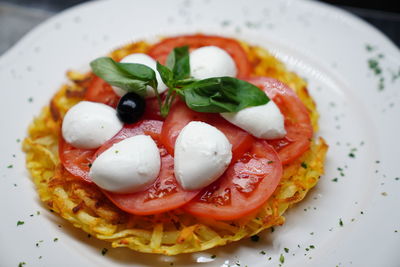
<point>128,166</point>
<point>144,59</point>
<point>264,121</point>
<point>89,125</point>
<point>211,61</point>
<point>202,154</point>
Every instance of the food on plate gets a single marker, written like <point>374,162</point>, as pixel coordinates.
<point>178,146</point>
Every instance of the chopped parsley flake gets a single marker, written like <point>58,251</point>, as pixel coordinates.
<point>255,238</point>
<point>262,252</point>
<point>312,246</point>
<point>21,264</point>
<point>312,233</point>
<point>282,259</point>
<point>10,166</point>
<point>397,178</point>
<point>104,251</point>
<point>30,100</point>
<point>20,223</point>
<point>55,239</point>
<point>369,47</point>
<point>18,140</point>
<point>351,155</point>
<point>335,180</point>
<point>304,165</point>
<point>341,222</point>
<point>213,256</point>
<point>384,194</point>
<point>373,64</point>
<point>270,162</point>
<point>286,250</point>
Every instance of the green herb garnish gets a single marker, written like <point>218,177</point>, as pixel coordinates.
<point>282,259</point>
<point>215,95</point>
<point>20,223</point>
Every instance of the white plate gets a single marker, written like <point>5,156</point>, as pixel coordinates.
<point>325,45</point>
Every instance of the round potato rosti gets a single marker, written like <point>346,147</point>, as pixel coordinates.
<point>173,232</point>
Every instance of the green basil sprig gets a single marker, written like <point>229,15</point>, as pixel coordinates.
<point>222,94</point>
<point>128,76</point>
<point>215,95</point>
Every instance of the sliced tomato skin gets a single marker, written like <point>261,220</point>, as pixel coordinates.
<point>160,51</point>
<point>297,119</point>
<point>75,160</point>
<point>263,164</point>
<point>180,115</point>
<point>101,92</point>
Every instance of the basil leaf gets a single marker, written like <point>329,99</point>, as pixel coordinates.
<point>222,94</point>
<point>128,76</point>
<point>178,62</point>
<point>166,75</point>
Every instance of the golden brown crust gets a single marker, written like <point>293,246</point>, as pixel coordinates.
<point>173,232</point>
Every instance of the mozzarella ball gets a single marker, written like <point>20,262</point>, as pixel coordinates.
<point>264,121</point>
<point>128,166</point>
<point>202,154</point>
<point>211,61</point>
<point>89,125</point>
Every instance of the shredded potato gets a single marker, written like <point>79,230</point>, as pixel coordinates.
<point>173,232</point>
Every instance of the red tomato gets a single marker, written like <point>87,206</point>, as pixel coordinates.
<point>243,188</point>
<point>297,119</point>
<point>77,161</point>
<point>161,50</point>
<point>180,115</point>
<point>165,193</point>
<point>101,92</point>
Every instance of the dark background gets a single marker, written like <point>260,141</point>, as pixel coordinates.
<point>19,16</point>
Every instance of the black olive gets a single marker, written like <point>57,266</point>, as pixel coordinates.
<point>130,108</point>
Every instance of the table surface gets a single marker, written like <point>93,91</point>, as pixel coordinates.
<point>17,17</point>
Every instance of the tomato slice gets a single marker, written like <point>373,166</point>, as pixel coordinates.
<point>165,193</point>
<point>161,50</point>
<point>243,188</point>
<point>77,161</point>
<point>147,127</point>
<point>180,115</point>
<point>297,119</point>
<point>101,92</point>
